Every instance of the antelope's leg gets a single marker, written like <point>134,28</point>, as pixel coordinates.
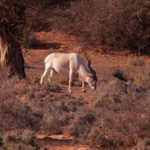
<point>50,75</point>
<point>70,80</point>
<point>83,90</point>
<point>45,72</point>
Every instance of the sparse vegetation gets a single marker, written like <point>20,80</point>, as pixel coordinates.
<point>142,144</point>
<point>81,124</point>
<point>116,115</point>
<point>19,140</point>
<point>137,60</point>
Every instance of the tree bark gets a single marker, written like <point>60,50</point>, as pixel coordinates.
<point>11,55</point>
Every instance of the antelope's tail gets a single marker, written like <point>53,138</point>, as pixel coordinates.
<point>46,59</point>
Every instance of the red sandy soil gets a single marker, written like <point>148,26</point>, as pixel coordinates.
<point>104,64</point>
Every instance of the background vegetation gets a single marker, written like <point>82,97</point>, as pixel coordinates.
<point>114,24</point>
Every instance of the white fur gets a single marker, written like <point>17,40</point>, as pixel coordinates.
<point>68,63</point>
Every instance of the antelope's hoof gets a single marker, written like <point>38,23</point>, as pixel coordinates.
<point>70,92</point>
<point>83,90</point>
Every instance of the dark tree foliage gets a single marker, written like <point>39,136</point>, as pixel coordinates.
<point>13,15</point>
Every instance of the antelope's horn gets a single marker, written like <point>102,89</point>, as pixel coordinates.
<point>89,65</point>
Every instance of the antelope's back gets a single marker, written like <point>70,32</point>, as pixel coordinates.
<point>62,61</point>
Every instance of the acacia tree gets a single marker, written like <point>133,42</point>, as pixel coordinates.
<point>12,20</point>
<point>12,32</point>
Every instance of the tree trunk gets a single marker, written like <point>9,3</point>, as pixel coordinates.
<point>11,55</point>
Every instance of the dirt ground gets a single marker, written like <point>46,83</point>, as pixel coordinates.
<point>104,64</point>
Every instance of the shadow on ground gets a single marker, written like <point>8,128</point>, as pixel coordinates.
<point>36,44</point>
<point>55,141</point>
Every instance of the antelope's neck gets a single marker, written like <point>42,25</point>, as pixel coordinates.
<point>83,72</point>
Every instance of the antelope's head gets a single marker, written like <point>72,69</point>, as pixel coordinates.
<point>92,79</point>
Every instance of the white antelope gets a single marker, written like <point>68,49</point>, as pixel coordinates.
<point>72,63</point>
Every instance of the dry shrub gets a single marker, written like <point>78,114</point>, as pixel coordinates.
<point>52,119</point>
<point>20,140</point>
<point>137,60</point>
<point>71,104</point>
<point>121,89</point>
<point>102,137</point>
<point>52,124</point>
<point>60,114</point>
<point>19,114</point>
<point>81,124</point>
<point>111,92</point>
<point>12,110</point>
<point>51,88</point>
<point>142,145</point>
<point>123,113</point>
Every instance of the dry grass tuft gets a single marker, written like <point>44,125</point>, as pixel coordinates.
<point>137,60</point>
<point>20,140</point>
